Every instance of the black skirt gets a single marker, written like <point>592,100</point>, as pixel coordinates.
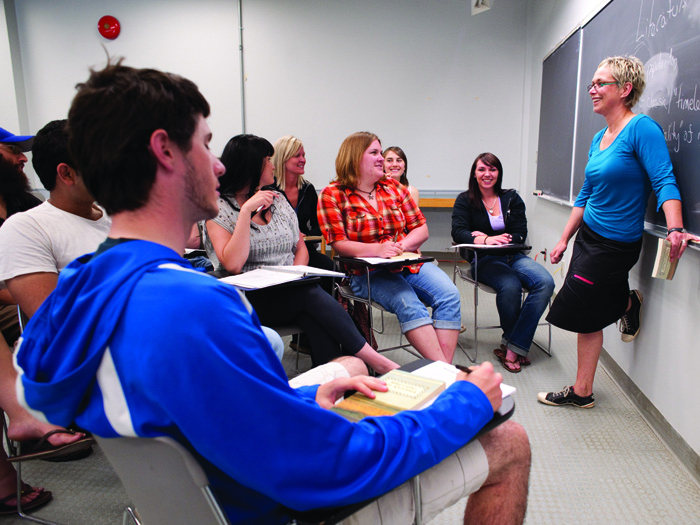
<point>596,290</point>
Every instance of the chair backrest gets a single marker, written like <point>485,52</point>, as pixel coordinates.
<point>163,480</point>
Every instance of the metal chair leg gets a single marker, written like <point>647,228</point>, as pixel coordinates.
<point>130,517</point>
<point>417,500</point>
<point>20,512</point>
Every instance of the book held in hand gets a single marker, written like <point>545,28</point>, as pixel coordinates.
<point>406,392</point>
<point>663,267</point>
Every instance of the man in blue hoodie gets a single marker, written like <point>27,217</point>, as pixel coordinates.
<point>134,342</point>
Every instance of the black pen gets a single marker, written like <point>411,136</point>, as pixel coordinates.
<point>464,369</point>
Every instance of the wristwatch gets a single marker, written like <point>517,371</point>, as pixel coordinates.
<point>671,230</point>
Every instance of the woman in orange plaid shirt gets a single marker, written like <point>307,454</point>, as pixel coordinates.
<point>362,213</point>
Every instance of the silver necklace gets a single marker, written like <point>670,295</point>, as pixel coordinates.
<point>369,193</point>
<point>492,205</point>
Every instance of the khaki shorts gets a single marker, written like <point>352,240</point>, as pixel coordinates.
<point>459,475</point>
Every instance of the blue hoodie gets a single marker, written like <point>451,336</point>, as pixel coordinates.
<point>133,342</point>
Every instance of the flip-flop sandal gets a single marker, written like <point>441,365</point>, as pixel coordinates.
<point>42,499</point>
<point>501,355</point>
<point>43,449</point>
<point>524,361</point>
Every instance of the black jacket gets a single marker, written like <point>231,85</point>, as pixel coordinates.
<point>466,219</point>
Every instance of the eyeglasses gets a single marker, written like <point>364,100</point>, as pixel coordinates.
<point>598,85</point>
<point>15,150</point>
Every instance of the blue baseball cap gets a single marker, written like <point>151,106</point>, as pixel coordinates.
<point>23,141</point>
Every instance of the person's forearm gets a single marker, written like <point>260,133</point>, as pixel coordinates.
<point>415,238</point>
<point>237,248</point>
<point>301,256</point>
<point>231,249</point>
<point>572,225</point>
<point>673,213</point>
<point>356,249</point>
<point>6,297</point>
<point>195,240</point>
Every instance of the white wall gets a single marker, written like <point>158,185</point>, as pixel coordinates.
<point>59,42</point>
<point>9,119</point>
<point>426,76</point>
<point>664,359</point>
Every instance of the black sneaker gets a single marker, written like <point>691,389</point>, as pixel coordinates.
<point>566,397</point>
<point>631,322</point>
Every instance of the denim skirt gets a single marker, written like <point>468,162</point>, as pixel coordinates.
<point>596,290</point>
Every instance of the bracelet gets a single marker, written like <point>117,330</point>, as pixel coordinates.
<point>672,230</point>
<point>485,237</point>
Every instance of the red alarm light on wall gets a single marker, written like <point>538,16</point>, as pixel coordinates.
<point>109,27</point>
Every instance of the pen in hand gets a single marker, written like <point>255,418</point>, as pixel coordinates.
<point>464,369</point>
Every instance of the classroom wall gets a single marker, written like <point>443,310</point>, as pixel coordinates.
<point>9,118</point>
<point>318,69</point>
<point>664,359</point>
<point>425,75</point>
<point>198,40</point>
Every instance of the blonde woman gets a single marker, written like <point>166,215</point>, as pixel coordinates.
<point>289,161</point>
<point>626,160</point>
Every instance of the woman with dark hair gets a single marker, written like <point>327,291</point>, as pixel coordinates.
<point>257,228</point>
<point>363,213</point>
<point>396,167</point>
<point>487,214</point>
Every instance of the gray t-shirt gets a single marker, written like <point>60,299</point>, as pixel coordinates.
<point>272,244</point>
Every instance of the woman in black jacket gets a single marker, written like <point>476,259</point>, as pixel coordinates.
<point>289,160</point>
<point>488,214</point>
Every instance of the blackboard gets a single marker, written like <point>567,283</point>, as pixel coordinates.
<point>666,37</point>
<point>557,122</point>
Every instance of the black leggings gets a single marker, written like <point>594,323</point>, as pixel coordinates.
<point>320,260</point>
<point>327,324</point>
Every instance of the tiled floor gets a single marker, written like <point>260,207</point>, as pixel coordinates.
<point>598,466</point>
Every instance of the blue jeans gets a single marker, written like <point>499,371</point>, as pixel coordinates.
<point>508,275</point>
<point>405,294</point>
<point>275,341</point>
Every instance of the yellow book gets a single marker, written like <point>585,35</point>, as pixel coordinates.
<point>663,267</point>
<point>406,391</point>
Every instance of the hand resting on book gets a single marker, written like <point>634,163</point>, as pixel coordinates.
<point>328,393</point>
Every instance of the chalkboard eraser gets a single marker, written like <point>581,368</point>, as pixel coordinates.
<point>537,192</point>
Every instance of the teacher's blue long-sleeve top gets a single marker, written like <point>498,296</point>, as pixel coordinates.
<point>620,178</point>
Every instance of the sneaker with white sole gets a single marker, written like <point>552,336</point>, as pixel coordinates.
<point>631,322</point>
<point>566,397</point>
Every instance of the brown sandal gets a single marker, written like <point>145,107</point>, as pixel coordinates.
<point>501,353</point>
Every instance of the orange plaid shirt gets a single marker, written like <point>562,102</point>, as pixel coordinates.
<point>345,214</point>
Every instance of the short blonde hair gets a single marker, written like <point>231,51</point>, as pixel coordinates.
<point>627,69</point>
<point>347,163</point>
<point>285,148</point>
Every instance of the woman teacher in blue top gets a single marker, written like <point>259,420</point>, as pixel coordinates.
<point>626,161</point>
<point>490,215</point>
